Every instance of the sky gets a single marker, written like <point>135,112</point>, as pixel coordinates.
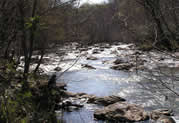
<point>93,1</point>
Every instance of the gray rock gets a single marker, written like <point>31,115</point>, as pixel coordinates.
<point>83,49</point>
<point>95,51</point>
<point>91,58</point>
<point>165,119</point>
<point>121,112</point>
<point>88,66</point>
<point>156,114</point>
<point>124,66</point>
<point>119,61</point>
<point>107,100</point>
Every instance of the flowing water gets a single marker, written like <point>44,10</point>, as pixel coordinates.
<point>103,81</point>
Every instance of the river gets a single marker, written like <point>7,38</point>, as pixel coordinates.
<point>135,86</point>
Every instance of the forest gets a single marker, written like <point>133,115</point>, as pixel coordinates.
<point>63,61</point>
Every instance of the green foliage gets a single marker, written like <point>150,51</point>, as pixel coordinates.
<point>32,21</point>
<point>25,120</point>
<point>16,106</point>
<point>24,106</point>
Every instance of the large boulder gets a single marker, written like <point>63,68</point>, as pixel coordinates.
<point>121,112</point>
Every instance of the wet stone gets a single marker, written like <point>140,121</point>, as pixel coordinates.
<point>107,100</point>
<point>121,112</point>
<point>165,119</point>
<point>156,114</point>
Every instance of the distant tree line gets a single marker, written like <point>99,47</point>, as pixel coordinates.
<point>154,21</point>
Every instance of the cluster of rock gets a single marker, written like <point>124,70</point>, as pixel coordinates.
<point>122,112</point>
<point>115,108</point>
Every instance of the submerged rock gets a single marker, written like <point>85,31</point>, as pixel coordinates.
<point>122,112</point>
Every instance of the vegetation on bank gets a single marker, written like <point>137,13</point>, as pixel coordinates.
<point>24,105</point>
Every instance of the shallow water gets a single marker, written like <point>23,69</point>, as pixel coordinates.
<point>104,81</point>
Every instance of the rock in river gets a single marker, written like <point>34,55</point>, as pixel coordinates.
<point>58,69</point>
<point>91,58</point>
<point>165,119</point>
<point>106,100</point>
<point>122,112</point>
<point>119,61</point>
<point>125,66</point>
<point>162,116</point>
<point>95,51</point>
<point>61,85</point>
<point>88,66</point>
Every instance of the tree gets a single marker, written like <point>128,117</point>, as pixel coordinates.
<point>159,12</point>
